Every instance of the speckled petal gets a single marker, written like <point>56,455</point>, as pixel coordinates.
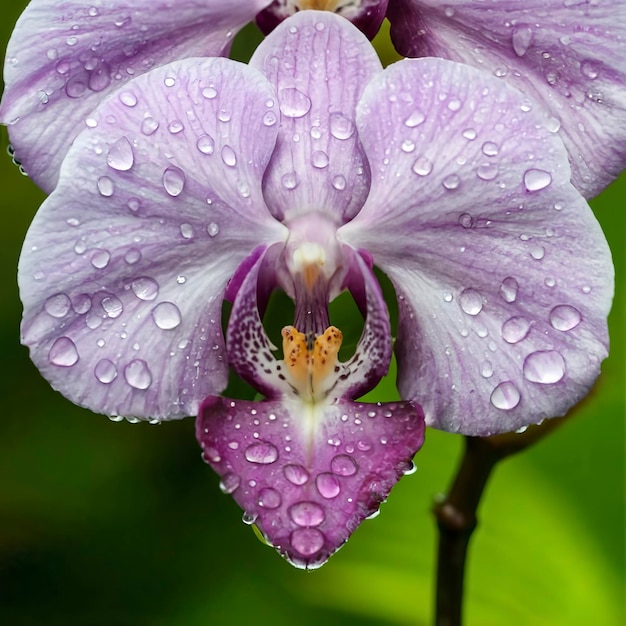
<point>318,64</point>
<point>125,265</point>
<point>64,58</point>
<point>307,477</point>
<point>567,56</point>
<point>503,275</point>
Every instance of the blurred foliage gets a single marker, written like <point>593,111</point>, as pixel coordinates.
<point>106,524</point>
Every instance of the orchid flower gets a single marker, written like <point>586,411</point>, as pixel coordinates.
<point>207,179</point>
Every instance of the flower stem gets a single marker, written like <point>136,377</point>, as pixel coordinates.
<point>456,512</point>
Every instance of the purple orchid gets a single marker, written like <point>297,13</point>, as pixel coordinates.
<point>205,179</point>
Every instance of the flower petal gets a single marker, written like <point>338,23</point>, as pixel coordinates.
<point>124,268</point>
<point>318,64</point>
<point>569,56</point>
<point>307,485</point>
<point>503,275</point>
<point>62,60</point>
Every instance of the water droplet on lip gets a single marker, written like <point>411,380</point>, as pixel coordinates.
<point>120,156</point>
<point>535,179</point>
<point>106,186</point>
<point>509,289</point>
<point>343,465</point>
<point>58,305</point>
<point>228,156</point>
<point>415,119</point>
<point>229,483</point>
<point>63,352</point>
<point>307,541</point>
<point>137,374</point>
<point>173,180</point>
<point>307,514</point>
<point>328,485</point>
<point>261,452</point>
<point>105,371</point>
<point>515,329</point>
<point>505,396</point>
<point>293,103</point>
<point>205,144</point>
<point>145,288</point>
<point>521,40</point>
<point>564,317</point>
<point>544,366</point>
<point>341,127</point>
<point>422,166</point>
<point>166,315</point>
<point>269,498</point>
<point>149,126</point>
<point>296,474</point>
<point>471,301</point>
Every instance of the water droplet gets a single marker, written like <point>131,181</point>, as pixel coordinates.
<point>249,518</point>
<point>229,483</point>
<point>471,301</point>
<point>149,126</point>
<point>470,134</point>
<point>58,305</point>
<point>296,474</point>
<point>132,256</point>
<point>100,259</point>
<point>544,366</point>
<point>145,288</point>
<point>128,98</point>
<point>589,69</point>
<point>451,182</point>
<point>269,119</point>
<point>63,352</point>
<point>294,103</point>
<point>535,179</point>
<point>537,252</point>
<point>565,317</point>
<point>515,329</point>
<point>307,514</point>
<point>415,119</point>
<point>328,485</point>
<point>487,171</point>
<point>466,221</point>
<point>269,498</point>
<point>166,315</point>
<point>509,289</point>
<point>120,156</point>
<point>209,92</point>
<point>341,127</point>
<point>505,396</point>
<point>486,369</point>
<point>319,159</point>
<point>137,374</point>
<point>228,156</point>
<point>213,229</point>
<point>105,371</point>
<point>173,180</point>
<point>339,182</point>
<point>521,40</point>
<point>490,148</point>
<point>169,81</point>
<point>81,303</point>
<point>307,541</point>
<point>106,186</point>
<point>407,146</point>
<point>112,306</point>
<point>344,465</point>
<point>422,166</point>
<point>224,116</point>
<point>289,180</point>
<point>205,144</point>
<point>186,230</point>
<point>261,452</point>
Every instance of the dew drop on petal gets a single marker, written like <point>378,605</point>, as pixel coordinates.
<point>106,186</point>
<point>486,369</point>
<point>132,256</point>
<point>63,352</point>
<point>505,396</point>
<point>173,180</point>
<point>128,98</point>
<point>269,498</point>
<point>186,230</point>
<point>422,166</point>
<point>328,485</point>
<point>307,541</point>
<point>105,371</point>
<point>261,452</point>
<point>228,156</point>
<point>521,40</point>
<point>515,329</point>
<point>343,465</point>
<point>209,92</point>
<point>145,288</point>
<point>58,305</point>
<point>229,483</point>
<point>341,127</point>
<point>166,315</point>
<point>205,144</point>
<point>487,171</point>
<point>415,119</point>
<point>149,126</point>
<point>120,156</point>
<point>544,366</point>
<point>339,182</point>
<point>100,258</point>
<point>296,474</point>
<point>451,182</point>
<point>294,103</point>
<point>213,229</point>
<point>137,374</point>
<point>307,514</point>
<point>289,180</point>
<point>509,289</point>
<point>470,134</point>
<point>471,301</point>
<point>270,118</point>
<point>564,317</point>
<point>319,159</point>
<point>112,306</point>
<point>535,179</point>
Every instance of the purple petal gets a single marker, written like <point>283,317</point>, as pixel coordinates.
<point>318,64</point>
<point>64,58</point>
<point>307,485</point>
<point>124,268</point>
<point>567,56</point>
<point>503,275</point>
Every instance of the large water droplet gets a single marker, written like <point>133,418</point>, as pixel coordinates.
<point>344,465</point>
<point>505,396</point>
<point>515,329</point>
<point>341,127</point>
<point>100,259</point>
<point>228,156</point>
<point>112,306</point>
<point>296,474</point>
<point>289,180</point>
<point>173,180</point>
<point>120,156</point>
<point>535,179</point>
<point>229,483</point>
<point>261,452</point>
<point>132,256</point>
<point>509,289</point>
<point>307,541</point>
<point>149,126</point>
<point>319,159</point>
<point>205,144</point>
<point>471,301</point>
<point>270,118</point>
<point>422,166</point>
<point>269,498</point>
<point>209,92</point>
<point>63,352</point>
<point>451,182</point>
<point>166,315</point>
<point>145,288</point>
<point>294,103</point>
<point>58,305</point>
<point>521,40</point>
<point>213,229</point>
<point>307,514</point>
<point>415,119</point>
<point>565,317</point>
<point>137,374</point>
<point>544,366</point>
<point>106,186</point>
<point>328,485</point>
<point>105,371</point>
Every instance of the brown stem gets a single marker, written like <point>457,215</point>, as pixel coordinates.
<point>456,512</point>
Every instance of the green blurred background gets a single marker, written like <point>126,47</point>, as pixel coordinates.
<point>120,524</point>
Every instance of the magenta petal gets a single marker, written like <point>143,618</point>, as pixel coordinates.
<point>308,485</point>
